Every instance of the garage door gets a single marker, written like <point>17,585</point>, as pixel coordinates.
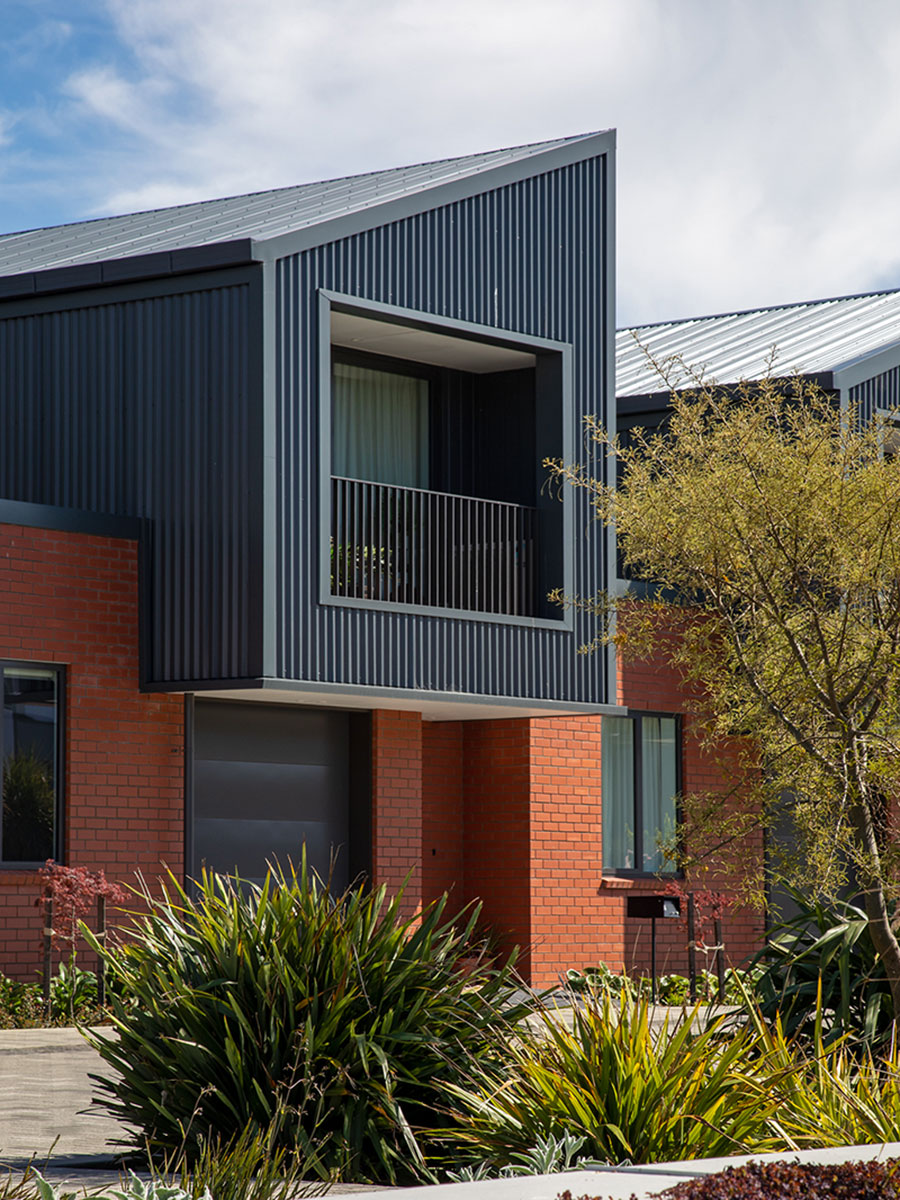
<point>269,779</point>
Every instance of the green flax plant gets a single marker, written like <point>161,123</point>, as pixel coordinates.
<point>330,1023</point>
<point>830,1093</point>
<point>630,1092</point>
<point>823,960</point>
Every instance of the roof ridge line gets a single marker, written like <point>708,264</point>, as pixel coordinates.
<point>746,312</point>
<point>291,187</point>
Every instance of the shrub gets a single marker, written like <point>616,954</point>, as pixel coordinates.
<point>73,998</point>
<point>824,957</point>
<point>627,1092</point>
<point>333,1024</point>
<point>671,989</point>
<point>829,1096</point>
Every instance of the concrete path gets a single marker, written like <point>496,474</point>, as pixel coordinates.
<point>45,1100</point>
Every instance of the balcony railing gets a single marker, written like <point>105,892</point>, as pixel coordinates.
<point>431,548</point>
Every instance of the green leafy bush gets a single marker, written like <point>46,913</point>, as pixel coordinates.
<point>630,1093</point>
<point>840,1095</point>
<point>73,998</point>
<point>550,1155</point>
<point>671,988</point>
<point>824,959</point>
<point>334,1024</point>
<point>246,1167</point>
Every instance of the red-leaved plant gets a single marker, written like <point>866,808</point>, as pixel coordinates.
<point>74,891</point>
<point>66,897</point>
<point>709,907</point>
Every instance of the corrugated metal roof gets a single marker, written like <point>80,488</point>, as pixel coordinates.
<point>811,338</point>
<point>260,215</point>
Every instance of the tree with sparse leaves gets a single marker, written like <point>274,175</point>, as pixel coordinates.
<point>761,526</point>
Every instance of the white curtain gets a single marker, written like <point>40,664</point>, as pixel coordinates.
<point>658,758</point>
<point>617,785</point>
<point>379,424</point>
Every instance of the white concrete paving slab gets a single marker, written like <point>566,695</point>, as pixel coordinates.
<point>621,1183</point>
<point>45,1098</point>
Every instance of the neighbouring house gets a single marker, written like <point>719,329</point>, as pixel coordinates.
<point>849,345</point>
<point>275,550</point>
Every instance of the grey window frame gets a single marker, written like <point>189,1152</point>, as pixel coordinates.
<point>59,801</point>
<point>451,326</point>
<point>636,717</point>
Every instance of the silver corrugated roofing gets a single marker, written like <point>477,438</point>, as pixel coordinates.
<point>810,338</point>
<point>260,215</point>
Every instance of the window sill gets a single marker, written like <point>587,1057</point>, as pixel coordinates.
<point>636,879</point>
<point>13,876</point>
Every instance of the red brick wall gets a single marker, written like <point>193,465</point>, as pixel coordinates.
<point>397,803</point>
<point>71,600</point>
<point>442,812</point>
<point>497,819</point>
<point>509,812</point>
<point>569,924</point>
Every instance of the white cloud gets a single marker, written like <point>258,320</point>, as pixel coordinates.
<point>757,156</point>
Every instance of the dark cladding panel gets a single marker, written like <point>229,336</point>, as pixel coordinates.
<point>531,258</point>
<point>881,392</point>
<point>143,406</point>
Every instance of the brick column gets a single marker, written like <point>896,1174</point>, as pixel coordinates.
<point>397,803</point>
<point>497,822</point>
<point>570,925</point>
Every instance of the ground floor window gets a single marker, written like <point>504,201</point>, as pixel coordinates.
<point>640,780</point>
<point>30,757</point>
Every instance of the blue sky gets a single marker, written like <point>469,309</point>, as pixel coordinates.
<point>758,157</point>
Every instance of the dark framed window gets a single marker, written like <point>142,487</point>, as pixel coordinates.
<point>640,779</point>
<point>31,760</point>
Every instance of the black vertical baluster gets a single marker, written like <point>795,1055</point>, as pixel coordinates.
<point>489,559</point>
<point>522,558</point>
<point>452,578</point>
<point>478,557</point>
<point>343,536</point>
<point>532,561</point>
<point>419,562</point>
<point>405,498</point>
<point>387,523</point>
<point>467,598</point>
<point>354,540</point>
<point>445,540</point>
<point>507,559</point>
<point>338,540</point>
<point>377,540</point>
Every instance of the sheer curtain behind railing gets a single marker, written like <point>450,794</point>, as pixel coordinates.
<point>379,426</point>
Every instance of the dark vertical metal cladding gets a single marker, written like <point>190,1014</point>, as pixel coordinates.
<point>143,406</point>
<point>881,392</point>
<point>530,258</point>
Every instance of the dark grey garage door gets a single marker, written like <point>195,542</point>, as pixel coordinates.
<point>269,778</point>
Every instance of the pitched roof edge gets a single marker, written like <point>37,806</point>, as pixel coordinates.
<point>436,194</point>
<point>244,250</point>
<point>750,312</point>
